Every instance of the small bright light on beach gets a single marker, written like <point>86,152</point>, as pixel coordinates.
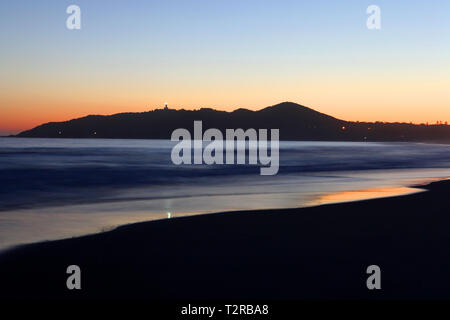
<point>169,215</point>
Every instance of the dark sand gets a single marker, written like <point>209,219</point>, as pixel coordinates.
<point>310,253</point>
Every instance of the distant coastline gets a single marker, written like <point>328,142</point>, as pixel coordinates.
<point>296,123</point>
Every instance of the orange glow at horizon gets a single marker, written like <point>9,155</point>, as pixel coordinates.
<point>23,118</point>
<point>26,105</point>
<point>225,56</point>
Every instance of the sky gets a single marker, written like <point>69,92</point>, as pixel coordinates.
<point>133,56</point>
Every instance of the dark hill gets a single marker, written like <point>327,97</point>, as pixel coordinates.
<point>295,122</point>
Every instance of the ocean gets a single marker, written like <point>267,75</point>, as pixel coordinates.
<point>59,188</point>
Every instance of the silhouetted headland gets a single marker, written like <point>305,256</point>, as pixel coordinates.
<point>295,122</point>
<point>310,253</point>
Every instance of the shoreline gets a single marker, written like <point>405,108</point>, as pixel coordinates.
<point>335,197</point>
<point>307,253</point>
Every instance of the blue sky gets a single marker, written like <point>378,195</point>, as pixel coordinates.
<point>135,55</point>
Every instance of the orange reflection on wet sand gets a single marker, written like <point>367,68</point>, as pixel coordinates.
<point>355,195</point>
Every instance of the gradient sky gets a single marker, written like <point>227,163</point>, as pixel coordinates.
<point>135,55</point>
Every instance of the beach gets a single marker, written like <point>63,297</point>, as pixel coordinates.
<point>60,188</point>
<point>311,253</point>
<point>202,157</point>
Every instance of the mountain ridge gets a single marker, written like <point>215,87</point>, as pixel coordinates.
<point>295,121</point>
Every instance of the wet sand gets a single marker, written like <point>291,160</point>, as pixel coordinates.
<point>320,252</point>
